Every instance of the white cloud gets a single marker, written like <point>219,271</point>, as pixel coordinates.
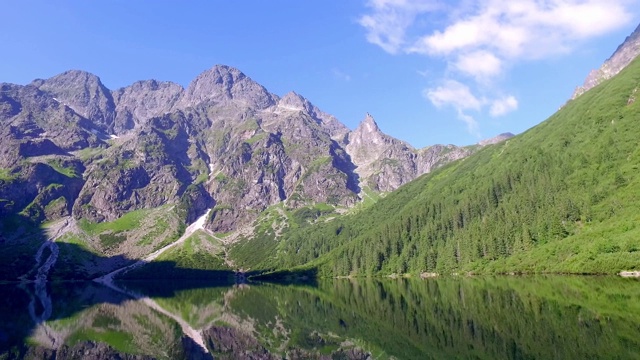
<point>524,28</point>
<point>479,64</point>
<point>472,124</point>
<point>503,106</point>
<point>387,24</point>
<point>459,96</point>
<point>482,39</point>
<point>453,93</point>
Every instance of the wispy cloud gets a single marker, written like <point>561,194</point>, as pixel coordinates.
<point>480,64</point>
<point>481,39</point>
<point>341,75</point>
<point>387,24</point>
<point>503,106</point>
<point>453,93</point>
<point>524,28</point>
<point>458,96</point>
<point>472,124</point>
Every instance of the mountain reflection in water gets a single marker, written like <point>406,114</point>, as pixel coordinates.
<point>554,317</point>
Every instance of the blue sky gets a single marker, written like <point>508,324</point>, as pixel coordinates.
<point>429,71</point>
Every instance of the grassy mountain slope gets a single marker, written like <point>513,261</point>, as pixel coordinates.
<point>562,197</point>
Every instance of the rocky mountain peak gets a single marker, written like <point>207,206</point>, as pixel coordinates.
<point>383,163</point>
<point>142,100</point>
<point>624,54</point>
<point>367,133</point>
<point>84,93</point>
<point>296,102</point>
<point>368,125</point>
<point>293,101</point>
<point>224,83</point>
<point>496,139</point>
<point>152,85</point>
<point>224,142</point>
<point>69,78</point>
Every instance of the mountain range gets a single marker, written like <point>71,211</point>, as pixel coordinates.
<point>93,179</point>
<point>559,198</point>
<point>72,149</point>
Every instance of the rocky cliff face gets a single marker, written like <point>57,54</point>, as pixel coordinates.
<point>70,146</point>
<point>384,163</point>
<point>143,100</point>
<point>623,55</point>
<point>85,94</point>
<point>223,84</point>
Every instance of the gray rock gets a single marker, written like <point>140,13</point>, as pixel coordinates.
<point>143,100</point>
<point>624,54</point>
<point>224,143</point>
<point>85,94</point>
<point>222,84</point>
<point>384,163</point>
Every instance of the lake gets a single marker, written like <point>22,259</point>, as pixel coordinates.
<point>538,317</point>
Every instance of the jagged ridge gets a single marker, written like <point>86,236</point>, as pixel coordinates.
<point>71,147</point>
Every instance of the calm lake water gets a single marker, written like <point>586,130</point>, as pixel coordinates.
<point>558,317</point>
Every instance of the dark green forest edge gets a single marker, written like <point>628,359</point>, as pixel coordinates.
<point>559,198</point>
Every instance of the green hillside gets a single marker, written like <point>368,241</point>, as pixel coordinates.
<point>562,197</point>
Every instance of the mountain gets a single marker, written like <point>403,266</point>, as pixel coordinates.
<point>276,183</point>
<point>561,197</point>
<point>624,54</point>
<point>127,169</point>
<point>496,139</point>
<point>384,163</point>
<point>141,101</point>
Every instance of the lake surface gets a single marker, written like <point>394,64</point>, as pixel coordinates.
<point>558,317</point>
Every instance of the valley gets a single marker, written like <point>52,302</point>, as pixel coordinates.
<point>223,175</point>
<point>357,180</point>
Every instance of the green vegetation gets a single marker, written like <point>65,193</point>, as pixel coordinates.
<point>276,220</point>
<point>199,257</point>
<point>158,226</point>
<point>490,318</point>
<point>56,203</point>
<point>32,211</point>
<point>318,163</point>
<point>75,258</point>
<point>111,240</point>
<point>128,221</point>
<point>369,197</point>
<point>255,138</point>
<point>200,168</point>
<point>90,153</point>
<point>310,214</point>
<point>200,307</point>
<point>63,167</point>
<point>199,251</point>
<point>7,175</point>
<point>118,340</point>
<point>562,197</point>
<point>128,329</point>
<point>506,317</point>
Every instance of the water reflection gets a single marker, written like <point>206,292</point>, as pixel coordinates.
<point>505,317</point>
